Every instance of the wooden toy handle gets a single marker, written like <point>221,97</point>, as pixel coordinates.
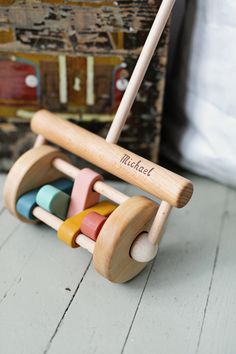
<point>114,159</point>
<point>140,70</point>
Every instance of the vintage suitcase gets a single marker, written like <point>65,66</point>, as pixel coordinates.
<point>75,58</point>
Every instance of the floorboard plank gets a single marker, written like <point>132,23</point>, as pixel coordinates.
<point>99,318</point>
<point>9,225</point>
<point>172,307</point>
<point>39,277</point>
<point>52,301</point>
<point>219,328</point>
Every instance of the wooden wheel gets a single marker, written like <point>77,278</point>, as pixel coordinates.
<point>31,170</point>
<point>111,256</point>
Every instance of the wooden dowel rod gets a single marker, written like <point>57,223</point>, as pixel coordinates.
<point>99,187</point>
<point>40,140</point>
<point>145,247</point>
<point>143,251</point>
<point>85,242</point>
<point>140,70</point>
<point>47,218</point>
<point>160,182</point>
<point>110,192</point>
<point>54,222</point>
<point>157,228</point>
<point>66,168</point>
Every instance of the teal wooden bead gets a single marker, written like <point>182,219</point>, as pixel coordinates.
<point>65,185</point>
<point>53,200</point>
<point>27,202</point>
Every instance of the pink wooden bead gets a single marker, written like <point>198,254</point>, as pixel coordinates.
<point>83,196</point>
<point>92,224</point>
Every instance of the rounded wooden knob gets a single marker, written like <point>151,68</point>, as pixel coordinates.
<point>142,249</point>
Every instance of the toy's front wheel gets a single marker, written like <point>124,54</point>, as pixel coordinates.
<point>111,256</point>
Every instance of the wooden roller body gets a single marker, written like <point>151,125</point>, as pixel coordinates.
<point>114,159</point>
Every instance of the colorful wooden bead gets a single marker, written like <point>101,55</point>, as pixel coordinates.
<point>53,200</point>
<point>92,224</point>
<point>83,196</point>
<point>27,202</point>
<point>70,228</point>
<point>65,185</point>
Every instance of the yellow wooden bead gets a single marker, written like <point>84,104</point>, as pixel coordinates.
<point>70,228</point>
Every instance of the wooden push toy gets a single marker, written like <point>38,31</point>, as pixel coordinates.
<point>123,233</point>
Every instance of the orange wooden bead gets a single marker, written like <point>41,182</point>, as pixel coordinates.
<point>92,224</point>
<point>70,228</point>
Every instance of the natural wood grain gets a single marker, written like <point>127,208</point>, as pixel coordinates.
<point>33,169</point>
<point>111,256</point>
<point>152,178</point>
<point>47,218</point>
<point>163,311</point>
<point>172,307</point>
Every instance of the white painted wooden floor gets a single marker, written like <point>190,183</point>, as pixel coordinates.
<point>52,300</point>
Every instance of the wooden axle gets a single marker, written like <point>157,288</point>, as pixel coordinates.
<point>100,187</point>
<point>55,223</point>
<point>124,164</point>
<point>139,252</point>
<point>40,140</point>
<point>156,232</point>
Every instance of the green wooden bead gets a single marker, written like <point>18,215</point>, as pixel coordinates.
<point>53,200</point>
<point>27,202</point>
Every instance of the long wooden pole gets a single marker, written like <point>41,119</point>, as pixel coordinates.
<point>156,231</point>
<point>139,71</point>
